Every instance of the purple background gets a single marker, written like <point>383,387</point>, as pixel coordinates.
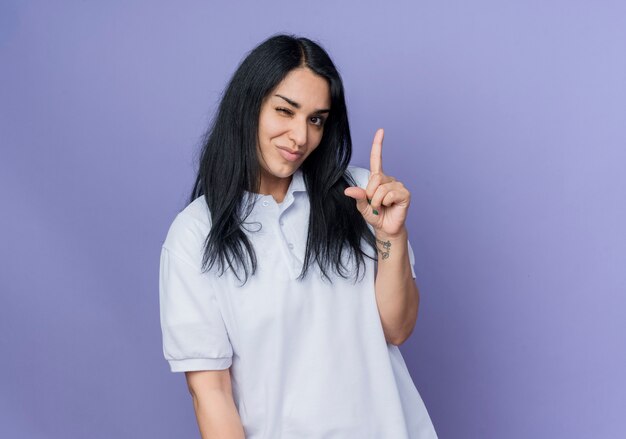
<point>505,119</point>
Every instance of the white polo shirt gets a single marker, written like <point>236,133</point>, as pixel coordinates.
<point>308,359</point>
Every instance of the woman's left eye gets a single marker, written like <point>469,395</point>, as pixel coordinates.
<point>319,121</point>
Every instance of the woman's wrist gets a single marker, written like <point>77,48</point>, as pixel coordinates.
<point>386,242</point>
<point>402,234</point>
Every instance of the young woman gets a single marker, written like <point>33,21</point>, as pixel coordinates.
<point>287,283</point>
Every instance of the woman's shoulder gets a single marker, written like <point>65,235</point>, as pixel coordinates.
<point>188,231</point>
<point>360,175</point>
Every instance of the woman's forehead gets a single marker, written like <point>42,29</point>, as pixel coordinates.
<point>304,88</point>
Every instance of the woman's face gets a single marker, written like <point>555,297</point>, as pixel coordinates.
<point>291,123</point>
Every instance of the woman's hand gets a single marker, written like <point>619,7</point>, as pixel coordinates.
<point>385,202</point>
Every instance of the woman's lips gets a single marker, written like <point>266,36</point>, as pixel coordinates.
<point>288,154</point>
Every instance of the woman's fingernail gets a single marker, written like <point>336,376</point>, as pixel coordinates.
<point>374,211</point>
<point>369,201</point>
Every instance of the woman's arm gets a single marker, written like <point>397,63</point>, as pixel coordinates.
<point>213,403</point>
<point>384,204</point>
<point>397,295</point>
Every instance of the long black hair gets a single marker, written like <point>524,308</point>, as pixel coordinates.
<point>229,172</point>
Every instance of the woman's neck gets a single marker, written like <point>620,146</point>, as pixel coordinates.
<point>274,186</point>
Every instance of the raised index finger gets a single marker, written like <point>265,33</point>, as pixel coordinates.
<point>376,156</point>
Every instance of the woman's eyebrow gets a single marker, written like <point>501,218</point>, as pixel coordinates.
<point>297,105</point>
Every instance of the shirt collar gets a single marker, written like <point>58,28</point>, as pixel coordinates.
<point>297,182</point>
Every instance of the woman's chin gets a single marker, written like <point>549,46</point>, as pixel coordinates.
<point>285,170</point>
<point>279,171</point>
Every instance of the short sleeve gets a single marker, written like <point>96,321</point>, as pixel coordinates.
<point>411,258</point>
<point>194,333</point>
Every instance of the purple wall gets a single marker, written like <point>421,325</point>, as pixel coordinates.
<point>505,119</point>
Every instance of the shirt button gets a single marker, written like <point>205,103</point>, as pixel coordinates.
<point>290,245</point>
<point>265,203</point>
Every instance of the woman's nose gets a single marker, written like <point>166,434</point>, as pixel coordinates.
<point>299,133</point>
